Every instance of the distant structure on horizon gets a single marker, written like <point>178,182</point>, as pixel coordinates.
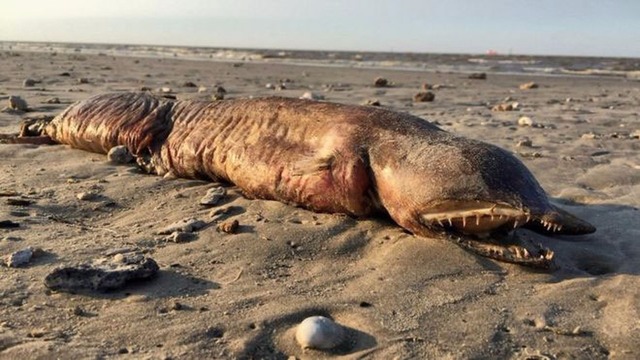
<point>492,52</point>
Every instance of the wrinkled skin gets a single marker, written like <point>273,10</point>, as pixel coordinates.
<point>329,158</point>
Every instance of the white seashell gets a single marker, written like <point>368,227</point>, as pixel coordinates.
<point>319,332</point>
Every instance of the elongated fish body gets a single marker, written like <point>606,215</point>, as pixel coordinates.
<point>329,157</point>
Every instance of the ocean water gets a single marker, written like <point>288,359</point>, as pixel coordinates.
<point>459,63</point>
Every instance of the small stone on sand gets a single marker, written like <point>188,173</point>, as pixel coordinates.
<point>102,274</point>
<point>17,103</point>
<point>86,195</point>
<point>185,225</point>
<point>529,85</point>
<point>52,100</point>
<point>213,196</point>
<point>119,155</point>
<point>20,257</point>
<point>478,76</point>
<point>380,82</point>
<point>229,227</point>
<point>311,96</point>
<point>425,96</point>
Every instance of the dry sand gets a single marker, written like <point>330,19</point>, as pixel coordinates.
<point>240,296</point>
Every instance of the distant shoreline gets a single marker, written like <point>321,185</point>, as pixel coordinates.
<point>429,62</point>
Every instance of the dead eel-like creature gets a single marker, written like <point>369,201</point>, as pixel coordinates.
<point>331,158</point>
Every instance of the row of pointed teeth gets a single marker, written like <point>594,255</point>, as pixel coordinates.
<point>516,253</point>
<point>550,226</point>
<point>518,221</point>
<point>449,220</point>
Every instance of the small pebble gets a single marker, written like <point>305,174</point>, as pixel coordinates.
<point>213,196</point>
<point>17,103</point>
<point>20,257</point>
<point>181,237</point>
<point>529,85</point>
<point>185,225</point>
<point>380,82</point>
<point>505,107</point>
<point>372,102</point>
<point>525,143</point>
<point>229,227</point>
<point>119,155</point>
<point>427,96</point>
<point>28,82</point>
<point>319,332</point>
<point>311,96</point>
<point>52,100</point>
<point>478,76</point>
<point>86,195</point>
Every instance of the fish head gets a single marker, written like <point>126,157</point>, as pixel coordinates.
<point>468,187</point>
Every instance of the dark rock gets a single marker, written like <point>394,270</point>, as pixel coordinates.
<point>424,96</point>
<point>19,202</point>
<point>29,82</point>
<point>52,100</point>
<point>17,103</point>
<point>478,76</point>
<point>103,274</point>
<point>8,224</point>
<point>380,82</point>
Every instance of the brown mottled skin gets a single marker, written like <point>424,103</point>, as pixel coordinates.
<point>322,156</point>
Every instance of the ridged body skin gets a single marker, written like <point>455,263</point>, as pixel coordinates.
<point>322,156</point>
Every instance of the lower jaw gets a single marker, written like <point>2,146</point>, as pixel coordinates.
<point>506,247</point>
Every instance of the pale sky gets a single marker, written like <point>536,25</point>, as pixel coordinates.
<point>549,27</point>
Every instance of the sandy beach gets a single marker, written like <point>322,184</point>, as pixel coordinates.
<point>241,295</point>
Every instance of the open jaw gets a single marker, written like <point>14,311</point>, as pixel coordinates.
<point>485,228</point>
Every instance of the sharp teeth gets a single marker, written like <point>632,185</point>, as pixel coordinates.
<point>439,222</point>
<point>559,227</point>
<point>478,219</point>
<point>525,253</point>
<point>515,224</point>
<point>528,218</point>
<point>450,223</point>
<point>464,221</point>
